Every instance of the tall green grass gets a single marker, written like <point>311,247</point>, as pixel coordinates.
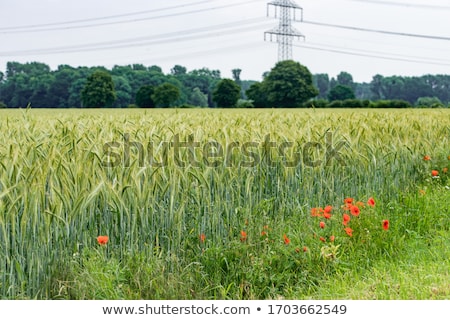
<point>56,197</point>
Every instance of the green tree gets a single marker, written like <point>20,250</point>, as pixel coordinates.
<point>178,70</point>
<point>123,92</point>
<point>198,98</point>
<point>345,79</point>
<point>144,97</point>
<point>226,94</point>
<point>341,92</point>
<point>289,84</point>
<point>257,94</point>
<point>98,91</point>
<point>322,82</point>
<point>165,95</point>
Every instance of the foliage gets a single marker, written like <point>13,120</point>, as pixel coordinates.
<point>341,92</point>
<point>226,94</point>
<point>258,95</point>
<point>165,95</point>
<point>289,84</point>
<point>144,97</point>
<point>429,102</point>
<point>98,92</point>
<point>244,104</point>
<point>198,98</point>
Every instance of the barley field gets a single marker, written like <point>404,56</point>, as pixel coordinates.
<point>224,204</point>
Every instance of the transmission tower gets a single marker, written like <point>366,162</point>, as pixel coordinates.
<point>284,33</point>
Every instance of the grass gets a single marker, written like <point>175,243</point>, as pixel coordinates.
<point>57,196</point>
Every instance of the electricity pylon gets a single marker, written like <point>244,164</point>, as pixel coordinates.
<point>284,33</point>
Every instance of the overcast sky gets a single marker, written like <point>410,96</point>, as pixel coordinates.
<point>229,34</point>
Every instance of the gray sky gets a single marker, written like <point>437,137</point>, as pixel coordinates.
<point>228,34</point>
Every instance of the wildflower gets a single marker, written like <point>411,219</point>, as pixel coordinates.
<point>332,238</point>
<point>327,215</point>
<point>322,239</point>
<point>243,236</point>
<point>316,212</point>
<point>385,224</point>
<point>102,240</point>
<point>348,200</point>
<point>327,209</point>
<point>354,210</point>
<point>427,158</point>
<point>434,173</point>
<point>371,202</point>
<point>349,231</point>
<point>202,238</point>
<point>305,249</point>
<point>322,224</point>
<point>263,234</point>
<point>445,170</point>
<point>286,239</point>
<point>422,192</point>
<point>346,219</point>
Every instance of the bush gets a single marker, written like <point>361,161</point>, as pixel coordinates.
<point>188,106</point>
<point>390,104</point>
<point>245,104</point>
<point>352,103</point>
<point>336,104</point>
<point>2,105</point>
<point>319,103</point>
<point>429,102</point>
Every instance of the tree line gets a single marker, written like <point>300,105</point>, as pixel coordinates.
<point>287,84</point>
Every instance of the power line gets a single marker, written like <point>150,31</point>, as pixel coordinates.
<point>32,26</point>
<point>402,4</point>
<point>372,55</point>
<point>130,20</point>
<point>404,34</point>
<point>172,37</point>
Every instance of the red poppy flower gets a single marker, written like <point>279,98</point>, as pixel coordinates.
<point>322,224</point>
<point>202,238</point>
<point>427,158</point>
<point>322,239</point>
<point>354,210</point>
<point>243,236</point>
<point>305,249</point>
<point>346,219</point>
<point>327,209</point>
<point>349,231</point>
<point>316,212</point>
<point>263,234</point>
<point>286,239</point>
<point>385,224</point>
<point>434,173</point>
<point>332,238</point>
<point>371,202</point>
<point>348,200</point>
<point>102,240</point>
<point>327,215</point>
